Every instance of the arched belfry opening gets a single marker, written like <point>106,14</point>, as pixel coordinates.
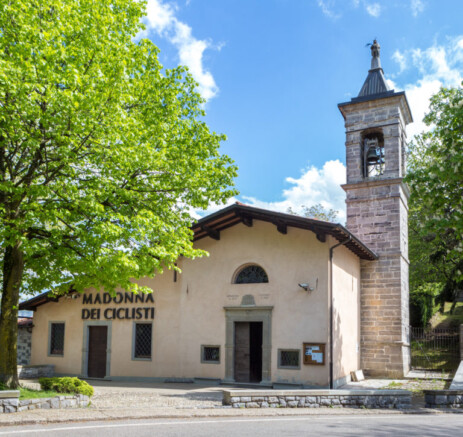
<point>373,155</point>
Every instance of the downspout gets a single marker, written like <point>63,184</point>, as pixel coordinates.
<point>342,243</point>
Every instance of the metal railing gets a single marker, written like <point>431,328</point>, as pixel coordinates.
<point>436,349</point>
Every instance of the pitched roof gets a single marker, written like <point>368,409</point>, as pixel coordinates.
<point>374,84</point>
<point>211,225</point>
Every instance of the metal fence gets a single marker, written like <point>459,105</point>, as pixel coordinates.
<point>435,349</point>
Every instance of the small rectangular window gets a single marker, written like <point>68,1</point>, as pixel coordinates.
<point>142,339</point>
<point>289,358</point>
<point>210,354</point>
<point>56,339</point>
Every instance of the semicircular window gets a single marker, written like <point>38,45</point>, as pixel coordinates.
<point>252,274</point>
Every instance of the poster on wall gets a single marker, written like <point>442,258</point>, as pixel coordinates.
<point>314,353</point>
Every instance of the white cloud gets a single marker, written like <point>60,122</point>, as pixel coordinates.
<point>162,20</point>
<point>417,6</point>
<point>374,9</point>
<point>315,185</point>
<point>327,8</point>
<point>437,66</point>
<point>400,59</point>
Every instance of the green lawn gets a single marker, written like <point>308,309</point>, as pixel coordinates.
<point>446,320</point>
<point>28,393</point>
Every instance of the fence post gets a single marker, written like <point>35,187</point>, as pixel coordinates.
<point>461,342</point>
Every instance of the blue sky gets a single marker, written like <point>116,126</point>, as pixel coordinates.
<point>273,72</point>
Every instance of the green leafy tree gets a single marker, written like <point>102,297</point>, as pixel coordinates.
<point>317,211</point>
<point>436,201</point>
<point>102,154</point>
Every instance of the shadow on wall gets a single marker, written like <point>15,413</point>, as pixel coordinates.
<point>346,318</point>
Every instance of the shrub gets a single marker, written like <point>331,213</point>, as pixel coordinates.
<point>423,303</point>
<point>66,385</point>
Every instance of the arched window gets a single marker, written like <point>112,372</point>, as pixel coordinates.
<point>251,274</point>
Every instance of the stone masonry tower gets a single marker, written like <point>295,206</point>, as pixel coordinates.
<point>377,213</point>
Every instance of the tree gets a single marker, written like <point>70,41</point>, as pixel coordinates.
<point>317,211</point>
<point>102,154</point>
<point>436,201</point>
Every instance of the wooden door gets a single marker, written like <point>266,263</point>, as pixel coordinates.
<point>97,344</point>
<point>242,352</point>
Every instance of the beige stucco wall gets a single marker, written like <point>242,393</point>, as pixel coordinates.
<point>190,312</point>
<point>346,313</point>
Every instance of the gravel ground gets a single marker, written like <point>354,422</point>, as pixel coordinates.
<point>137,395</point>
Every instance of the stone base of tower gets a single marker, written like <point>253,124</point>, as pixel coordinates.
<point>385,348</point>
<point>385,360</point>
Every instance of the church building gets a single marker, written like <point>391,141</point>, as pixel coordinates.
<point>281,300</point>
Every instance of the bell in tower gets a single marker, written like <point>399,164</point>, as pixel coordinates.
<point>376,200</point>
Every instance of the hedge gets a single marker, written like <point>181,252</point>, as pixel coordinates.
<point>66,385</point>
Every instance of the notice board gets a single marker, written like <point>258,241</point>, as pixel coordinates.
<point>314,353</point>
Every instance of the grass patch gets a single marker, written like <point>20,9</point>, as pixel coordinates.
<point>447,320</point>
<point>394,385</point>
<point>28,393</point>
<point>417,386</point>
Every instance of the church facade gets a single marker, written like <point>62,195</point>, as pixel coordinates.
<point>280,300</point>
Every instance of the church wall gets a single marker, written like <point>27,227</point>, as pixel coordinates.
<point>190,312</point>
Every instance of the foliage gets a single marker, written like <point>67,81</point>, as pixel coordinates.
<point>317,211</point>
<point>102,154</point>
<point>423,303</point>
<point>66,385</point>
<point>436,201</point>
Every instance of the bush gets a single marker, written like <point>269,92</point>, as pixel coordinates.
<point>423,303</point>
<point>66,385</point>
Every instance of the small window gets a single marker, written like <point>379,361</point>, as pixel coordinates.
<point>56,339</point>
<point>210,354</point>
<point>289,358</point>
<point>251,275</point>
<point>142,341</point>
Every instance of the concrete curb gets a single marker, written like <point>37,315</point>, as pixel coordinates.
<point>91,415</point>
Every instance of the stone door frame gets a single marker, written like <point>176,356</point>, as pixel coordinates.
<point>248,314</point>
<point>87,324</point>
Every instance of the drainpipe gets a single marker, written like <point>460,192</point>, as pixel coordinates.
<point>342,243</point>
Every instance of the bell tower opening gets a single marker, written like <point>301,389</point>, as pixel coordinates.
<point>373,156</point>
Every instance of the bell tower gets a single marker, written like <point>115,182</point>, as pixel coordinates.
<point>377,213</point>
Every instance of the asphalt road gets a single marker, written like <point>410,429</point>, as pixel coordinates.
<point>356,425</point>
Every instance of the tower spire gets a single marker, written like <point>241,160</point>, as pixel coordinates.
<point>375,83</point>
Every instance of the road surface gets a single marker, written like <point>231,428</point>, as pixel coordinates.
<point>356,425</point>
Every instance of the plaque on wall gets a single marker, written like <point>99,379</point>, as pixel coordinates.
<point>314,353</point>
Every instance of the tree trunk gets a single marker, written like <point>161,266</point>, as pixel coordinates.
<point>13,266</point>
